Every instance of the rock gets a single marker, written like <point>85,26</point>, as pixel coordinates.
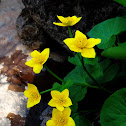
<point>46,115</point>
<point>14,75</point>
<point>5,121</point>
<point>11,102</point>
<point>29,32</point>
<point>16,71</point>
<point>16,120</point>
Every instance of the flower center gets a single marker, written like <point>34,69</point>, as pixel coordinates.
<point>68,21</point>
<point>38,59</point>
<point>61,121</point>
<point>81,42</point>
<point>34,95</point>
<point>61,100</point>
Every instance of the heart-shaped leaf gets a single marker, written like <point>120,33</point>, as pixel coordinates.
<point>107,30</point>
<point>113,112</point>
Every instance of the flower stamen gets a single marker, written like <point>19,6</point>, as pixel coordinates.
<point>81,42</point>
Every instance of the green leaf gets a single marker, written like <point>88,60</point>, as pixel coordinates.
<point>110,70</point>
<point>122,74</point>
<point>68,84</point>
<point>77,93</point>
<point>95,71</point>
<point>90,61</point>
<point>75,60</point>
<point>81,121</point>
<point>122,44</point>
<point>115,53</point>
<point>74,107</point>
<point>113,112</point>
<point>57,86</point>
<point>104,64</point>
<point>76,75</point>
<point>123,2</point>
<point>107,30</point>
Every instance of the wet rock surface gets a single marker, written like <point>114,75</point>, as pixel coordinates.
<point>16,71</point>
<point>11,102</point>
<point>16,120</point>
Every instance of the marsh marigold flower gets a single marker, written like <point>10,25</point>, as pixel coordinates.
<point>81,44</point>
<point>67,21</point>
<point>60,99</point>
<point>38,59</point>
<point>61,118</point>
<point>33,95</point>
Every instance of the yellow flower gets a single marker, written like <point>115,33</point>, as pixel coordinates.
<point>67,21</point>
<point>38,60</point>
<point>33,95</point>
<point>81,44</point>
<point>61,118</point>
<point>60,99</point>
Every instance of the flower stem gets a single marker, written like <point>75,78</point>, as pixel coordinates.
<point>54,74</point>
<point>46,91</point>
<point>101,87</point>
<point>87,85</point>
<point>69,29</point>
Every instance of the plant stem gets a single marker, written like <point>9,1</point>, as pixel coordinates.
<point>87,85</point>
<point>54,74</point>
<point>69,29</point>
<point>91,75</point>
<point>45,91</point>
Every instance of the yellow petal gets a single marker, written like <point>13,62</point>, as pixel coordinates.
<point>59,107</point>
<point>30,63</point>
<point>27,94</point>
<point>88,53</point>
<point>32,102</point>
<point>38,99</point>
<point>37,68</point>
<point>65,93</point>
<point>92,42</point>
<point>76,20</point>
<point>56,113</point>
<point>45,54</point>
<point>68,102</point>
<point>61,18</point>
<point>70,122</point>
<point>52,103</point>
<point>50,123</point>
<point>67,112</point>
<point>70,42</point>
<point>32,87</point>
<point>79,34</point>
<point>35,53</point>
<point>59,24</point>
<point>55,94</point>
